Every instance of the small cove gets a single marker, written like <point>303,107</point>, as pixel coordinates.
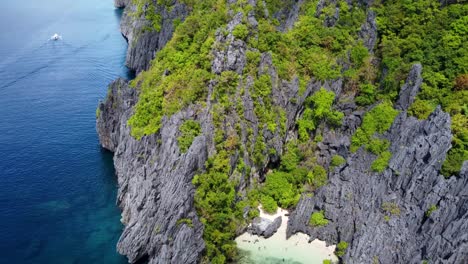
<point>277,249</point>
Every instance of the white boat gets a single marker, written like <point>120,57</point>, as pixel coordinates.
<point>56,37</point>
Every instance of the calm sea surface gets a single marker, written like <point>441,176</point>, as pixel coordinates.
<point>57,187</point>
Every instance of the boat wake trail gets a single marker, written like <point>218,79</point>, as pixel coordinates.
<point>51,53</point>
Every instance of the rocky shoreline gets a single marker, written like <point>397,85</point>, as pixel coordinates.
<point>156,192</point>
<point>266,238</point>
<point>155,189</point>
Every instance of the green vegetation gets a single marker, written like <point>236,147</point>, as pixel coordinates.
<point>281,189</point>
<point>181,76</point>
<point>375,260</point>
<point>337,160</point>
<point>240,31</point>
<point>154,18</point>
<point>378,120</point>
<point>189,130</point>
<point>327,261</point>
<point>381,163</point>
<point>310,48</point>
<point>270,117</point>
<point>269,204</point>
<point>341,248</point>
<point>440,44</point>
<point>318,219</point>
<point>359,54</point>
<point>317,177</point>
<point>318,107</point>
<point>431,209</point>
<point>147,8</point>
<point>186,221</point>
<point>298,172</point>
<point>391,209</point>
<point>180,71</point>
<point>214,200</point>
<point>367,94</point>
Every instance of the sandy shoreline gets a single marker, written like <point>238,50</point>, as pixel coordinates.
<point>296,249</point>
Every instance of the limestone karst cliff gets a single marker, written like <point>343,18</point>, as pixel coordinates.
<point>258,100</point>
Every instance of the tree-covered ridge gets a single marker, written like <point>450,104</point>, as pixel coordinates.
<point>320,46</point>
<point>180,71</point>
<point>298,172</point>
<point>437,37</point>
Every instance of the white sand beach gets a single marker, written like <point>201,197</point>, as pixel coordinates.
<point>278,249</point>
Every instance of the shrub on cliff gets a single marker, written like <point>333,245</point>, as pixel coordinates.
<point>188,131</point>
<point>376,121</point>
<point>240,31</point>
<point>318,108</point>
<point>337,160</point>
<point>341,248</point>
<point>318,219</point>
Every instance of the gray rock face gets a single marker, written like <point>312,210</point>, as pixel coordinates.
<point>143,40</point>
<point>450,2</point>
<point>368,32</point>
<point>231,58</point>
<point>355,200</point>
<point>121,3</point>
<point>156,193</point>
<point>109,116</point>
<point>264,227</point>
<point>155,189</point>
<point>411,88</point>
<point>291,14</point>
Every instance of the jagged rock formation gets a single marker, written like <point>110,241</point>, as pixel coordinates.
<point>410,89</point>
<point>155,189</point>
<point>143,40</point>
<point>122,3</point>
<point>355,199</point>
<point>264,227</point>
<point>368,31</point>
<point>157,197</point>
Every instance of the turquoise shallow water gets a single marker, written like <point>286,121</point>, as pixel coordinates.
<point>277,249</point>
<point>57,187</point>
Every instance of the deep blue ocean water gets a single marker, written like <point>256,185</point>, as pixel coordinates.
<point>57,187</point>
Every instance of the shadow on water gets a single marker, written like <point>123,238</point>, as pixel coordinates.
<point>118,14</point>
